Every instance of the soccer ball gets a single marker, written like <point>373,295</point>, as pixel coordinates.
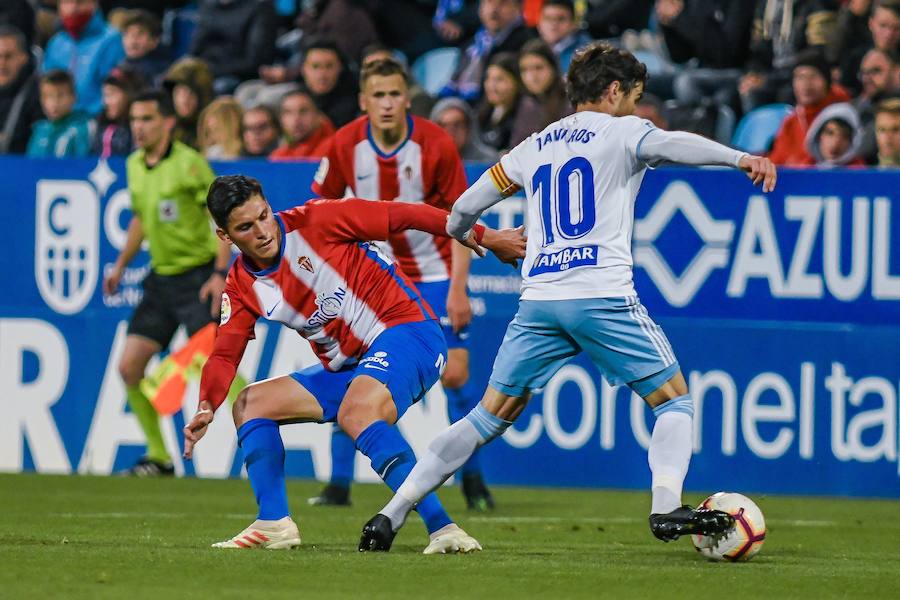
<point>744,540</point>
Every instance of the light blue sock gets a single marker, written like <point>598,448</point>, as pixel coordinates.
<point>393,459</point>
<point>459,402</point>
<point>343,454</point>
<point>264,456</point>
<point>683,404</point>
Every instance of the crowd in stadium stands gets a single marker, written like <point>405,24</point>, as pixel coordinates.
<point>276,78</point>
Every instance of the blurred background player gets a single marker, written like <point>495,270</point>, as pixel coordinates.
<point>578,296</point>
<point>312,269</point>
<point>390,155</point>
<point>168,182</point>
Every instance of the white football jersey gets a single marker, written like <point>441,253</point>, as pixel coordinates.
<point>581,176</point>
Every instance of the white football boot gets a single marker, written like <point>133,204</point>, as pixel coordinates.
<point>451,539</point>
<point>282,534</point>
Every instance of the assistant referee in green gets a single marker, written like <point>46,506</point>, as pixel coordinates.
<point>168,182</point>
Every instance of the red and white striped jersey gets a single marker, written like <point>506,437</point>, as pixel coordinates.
<point>426,168</point>
<point>334,289</point>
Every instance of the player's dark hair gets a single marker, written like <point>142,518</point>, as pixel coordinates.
<point>59,77</point>
<point>227,192</point>
<point>9,31</point>
<point>383,67</point>
<point>596,66</point>
<point>144,19</point>
<point>163,101</point>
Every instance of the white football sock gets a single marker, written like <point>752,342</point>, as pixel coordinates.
<point>669,457</point>
<point>447,453</point>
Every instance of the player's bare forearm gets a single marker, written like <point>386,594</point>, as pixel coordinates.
<point>459,308</point>
<point>133,239</point>
<point>196,429</point>
<point>462,260</point>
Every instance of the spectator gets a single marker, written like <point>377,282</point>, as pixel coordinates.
<point>879,76</point>
<point>507,115</point>
<point>502,30</point>
<point>156,7</point>
<point>260,131</point>
<point>219,130</point>
<point>783,31</point>
<point>455,21</point>
<point>541,78</point>
<point>813,92</point>
<point>323,72</point>
<point>851,31</point>
<point>330,83</point>
<point>713,37</point>
<point>20,105</point>
<point>610,18</point>
<point>307,131</point>
<point>887,133</point>
<point>421,102</point>
<point>235,39</point>
<point>883,34</point>
<point>189,82</point>
<point>559,30</point>
<point>112,134</point>
<point>834,137</point>
<point>64,133</point>
<point>335,19</point>
<point>650,107</point>
<point>19,14</point>
<point>141,32</point>
<point>88,46</point>
<point>457,118</point>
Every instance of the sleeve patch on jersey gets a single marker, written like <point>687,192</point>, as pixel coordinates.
<point>502,181</point>
<point>225,312</point>
<point>322,171</point>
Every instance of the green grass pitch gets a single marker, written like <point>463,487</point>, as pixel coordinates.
<point>88,537</point>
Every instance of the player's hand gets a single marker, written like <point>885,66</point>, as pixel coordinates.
<point>760,170</point>
<point>111,281</point>
<point>214,286</point>
<point>459,309</point>
<point>196,429</point>
<point>507,244</point>
<point>471,244</point>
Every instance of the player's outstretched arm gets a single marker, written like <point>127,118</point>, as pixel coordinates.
<point>685,148</point>
<point>480,196</point>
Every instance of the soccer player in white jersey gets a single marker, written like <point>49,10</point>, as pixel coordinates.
<point>581,176</point>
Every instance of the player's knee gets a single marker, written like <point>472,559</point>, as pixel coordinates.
<point>356,414</point>
<point>246,398</point>
<point>130,373</point>
<point>455,376</point>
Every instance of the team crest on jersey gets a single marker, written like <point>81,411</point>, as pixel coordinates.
<point>305,263</point>
<point>168,211</point>
<point>225,311</point>
<point>408,172</point>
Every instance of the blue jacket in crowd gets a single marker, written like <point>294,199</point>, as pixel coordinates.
<point>89,59</point>
<point>68,137</point>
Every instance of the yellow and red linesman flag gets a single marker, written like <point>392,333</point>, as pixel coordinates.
<point>165,387</point>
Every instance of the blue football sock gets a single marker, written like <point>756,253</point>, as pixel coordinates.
<point>264,457</point>
<point>343,454</point>
<point>393,459</point>
<point>459,402</point>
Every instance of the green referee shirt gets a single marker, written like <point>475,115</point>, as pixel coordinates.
<point>170,200</point>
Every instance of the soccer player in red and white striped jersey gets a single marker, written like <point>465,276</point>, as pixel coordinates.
<point>311,269</point>
<point>389,155</point>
